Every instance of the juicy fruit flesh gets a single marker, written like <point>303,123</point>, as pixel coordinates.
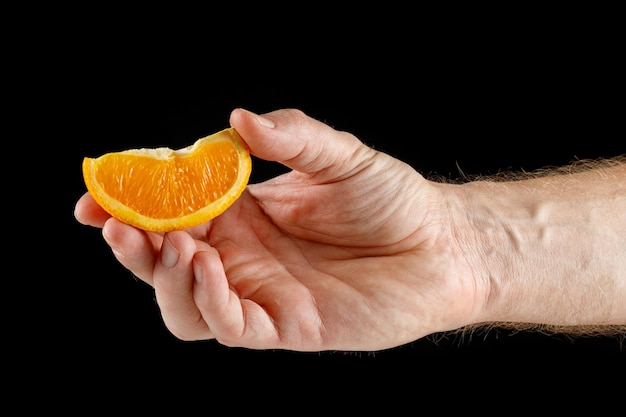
<point>161,189</point>
<point>176,186</point>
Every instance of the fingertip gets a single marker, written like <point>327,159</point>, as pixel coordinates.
<point>236,115</point>
<point>207,263</point>
<point>121,235</point>
<point>240,117</point>
<point>177,244</point>
<point>79,209</point>
<point>198,270</point>
<point>219,306</point>
<point>89,213</point>
<point>274,136</point>
<point>212,288</point>
<point>113,231</point>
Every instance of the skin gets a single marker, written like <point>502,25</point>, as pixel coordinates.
<point>355,250</point>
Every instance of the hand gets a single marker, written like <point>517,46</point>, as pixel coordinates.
<point>347,251</point>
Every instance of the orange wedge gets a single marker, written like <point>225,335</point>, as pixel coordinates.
<point>161,189</point>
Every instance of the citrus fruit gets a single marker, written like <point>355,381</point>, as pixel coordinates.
<point>161,189</point>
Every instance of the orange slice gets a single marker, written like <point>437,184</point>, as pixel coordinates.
<point>161,189</point>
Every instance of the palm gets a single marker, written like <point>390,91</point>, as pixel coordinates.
<point>314,263</point>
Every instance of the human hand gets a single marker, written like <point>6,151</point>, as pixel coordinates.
<point>350,250</point>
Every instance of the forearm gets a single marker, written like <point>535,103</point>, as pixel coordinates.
<point>552,250</point>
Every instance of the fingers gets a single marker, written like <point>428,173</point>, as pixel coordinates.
<point>219,305</point>
<point>197,302</point>
<point>135,249</point>
<point>233,321</point>
<point>190,284</point>
<point>165,263</point>
<point>89,213</point>
<point>173,285</point>
<point>294,139</point>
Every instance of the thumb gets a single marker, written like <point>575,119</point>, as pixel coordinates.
<point>292,138</point>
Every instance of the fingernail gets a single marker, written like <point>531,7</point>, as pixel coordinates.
<point>265,122</point>
<point>198,271</point>
<point>169,254</point>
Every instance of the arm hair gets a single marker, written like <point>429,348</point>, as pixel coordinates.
<point>619,331</point>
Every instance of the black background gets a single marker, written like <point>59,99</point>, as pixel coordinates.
<point>477,96</point>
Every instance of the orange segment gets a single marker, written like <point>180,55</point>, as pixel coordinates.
<point>161,189</point>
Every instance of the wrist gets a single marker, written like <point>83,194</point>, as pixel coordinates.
<point>547,251</point>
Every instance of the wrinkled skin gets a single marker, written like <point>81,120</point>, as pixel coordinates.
<point>350,250</point>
